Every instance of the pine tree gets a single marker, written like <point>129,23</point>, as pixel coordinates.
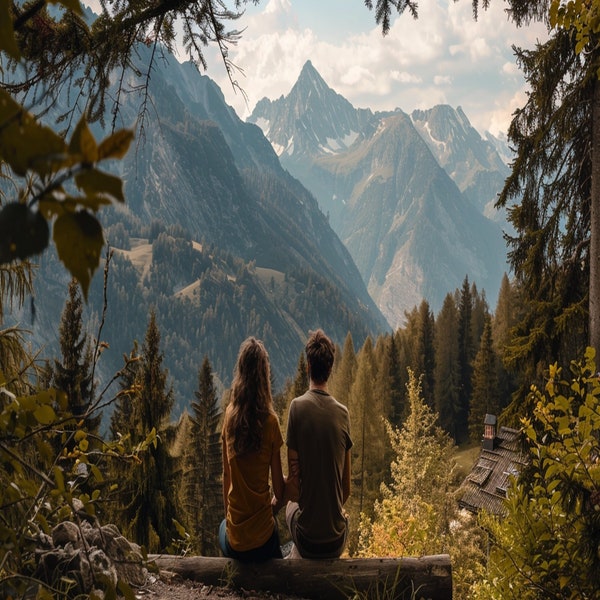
<point>447,383</point>
<point>485,398</point>
<point>343,376</point>
<point>417,342</point>
<point>555,180</point>
<point>382,384</point>
<point>479,314</point>
<point>465,356</point>
<point>426,352</point>
<point>73,373</point>
<point>300,384</point>
<point>368,450</point>
<point>398,405</point>
<point>202,475</point>
<point>122,421</point>
<point>410,340</point>
<point>151,511</point>
<point>505,315</point>
<point>125,427</point>
<point>505,318</point>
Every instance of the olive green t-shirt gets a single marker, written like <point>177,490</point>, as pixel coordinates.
<point>319,430</point>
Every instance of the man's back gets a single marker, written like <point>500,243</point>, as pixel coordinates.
<point>319,431</point>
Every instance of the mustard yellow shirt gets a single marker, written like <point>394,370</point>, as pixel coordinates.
<point>249,516</point>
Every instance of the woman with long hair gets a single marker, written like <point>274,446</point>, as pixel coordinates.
<point>251,449</point>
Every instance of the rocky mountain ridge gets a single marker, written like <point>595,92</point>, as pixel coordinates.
<point>409,195</point>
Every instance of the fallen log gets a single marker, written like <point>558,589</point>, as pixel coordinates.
<point>429,577</point>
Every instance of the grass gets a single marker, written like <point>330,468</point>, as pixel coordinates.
<point>466,457</point>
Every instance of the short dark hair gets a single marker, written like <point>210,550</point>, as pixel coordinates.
<point>320,352</point>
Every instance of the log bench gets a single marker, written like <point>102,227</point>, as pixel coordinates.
<point>429,577</point>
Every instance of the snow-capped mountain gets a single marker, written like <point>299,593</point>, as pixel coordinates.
<point>408,195</point>
<point>312,120</point>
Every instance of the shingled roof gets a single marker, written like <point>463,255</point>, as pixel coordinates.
<point>486,485</point>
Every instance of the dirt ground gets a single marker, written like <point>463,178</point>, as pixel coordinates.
<point>173,587</point>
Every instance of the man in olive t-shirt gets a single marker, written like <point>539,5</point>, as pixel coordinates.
<point>318,440</point>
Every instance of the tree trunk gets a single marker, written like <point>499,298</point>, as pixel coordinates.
<point>594,304</point>
<point>429,576</point>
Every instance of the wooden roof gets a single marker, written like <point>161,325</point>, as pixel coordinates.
<point>486,485</point>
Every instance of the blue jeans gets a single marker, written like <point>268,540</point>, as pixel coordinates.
<point>270,549</point>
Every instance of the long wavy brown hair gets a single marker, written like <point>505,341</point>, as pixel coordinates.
<point>251,400</point>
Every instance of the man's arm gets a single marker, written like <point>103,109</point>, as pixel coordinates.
<point>346,478</point>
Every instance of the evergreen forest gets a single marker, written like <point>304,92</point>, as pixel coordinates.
<point>417,396</point>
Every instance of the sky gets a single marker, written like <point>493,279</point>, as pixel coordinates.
<point>443,57</point>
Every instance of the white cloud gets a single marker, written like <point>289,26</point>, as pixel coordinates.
<point>510,68</point>
<point>443,57</point>
<point>442,79</point>
<point>404,77</point>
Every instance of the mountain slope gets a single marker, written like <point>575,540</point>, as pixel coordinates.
<point>411,231</point>
<point>473,163</point>
<point>217,238</point>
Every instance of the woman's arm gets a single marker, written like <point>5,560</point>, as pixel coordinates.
<point>277,475</point>
<point>226,476</point>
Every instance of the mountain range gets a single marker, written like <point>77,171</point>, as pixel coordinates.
<point>228,232</point>
<point>215,237</point>
<point>411,196</point>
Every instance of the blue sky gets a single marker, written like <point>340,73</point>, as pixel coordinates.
<point>444,57</point>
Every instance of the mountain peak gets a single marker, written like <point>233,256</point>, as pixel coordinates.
<point>309,71</point>
<point>308,67</point>
<point>309,79</point>
<point>312,119</point>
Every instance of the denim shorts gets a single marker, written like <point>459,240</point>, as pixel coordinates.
<point>270,549</point>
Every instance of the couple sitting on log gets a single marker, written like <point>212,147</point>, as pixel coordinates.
<point>318,449</point>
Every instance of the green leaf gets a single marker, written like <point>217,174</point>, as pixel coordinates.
<point>44,414</point>
<point>41,519</point>
<point>97,473</point>
<point>24,143</point>
<point>115,145</point>
<point>8,43</point>
<point>59,478</point>
<point>79,241</point>
<point>83,143</point>
<point>61,398</point>
<point>100,187</point>
<point>50,207</point>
